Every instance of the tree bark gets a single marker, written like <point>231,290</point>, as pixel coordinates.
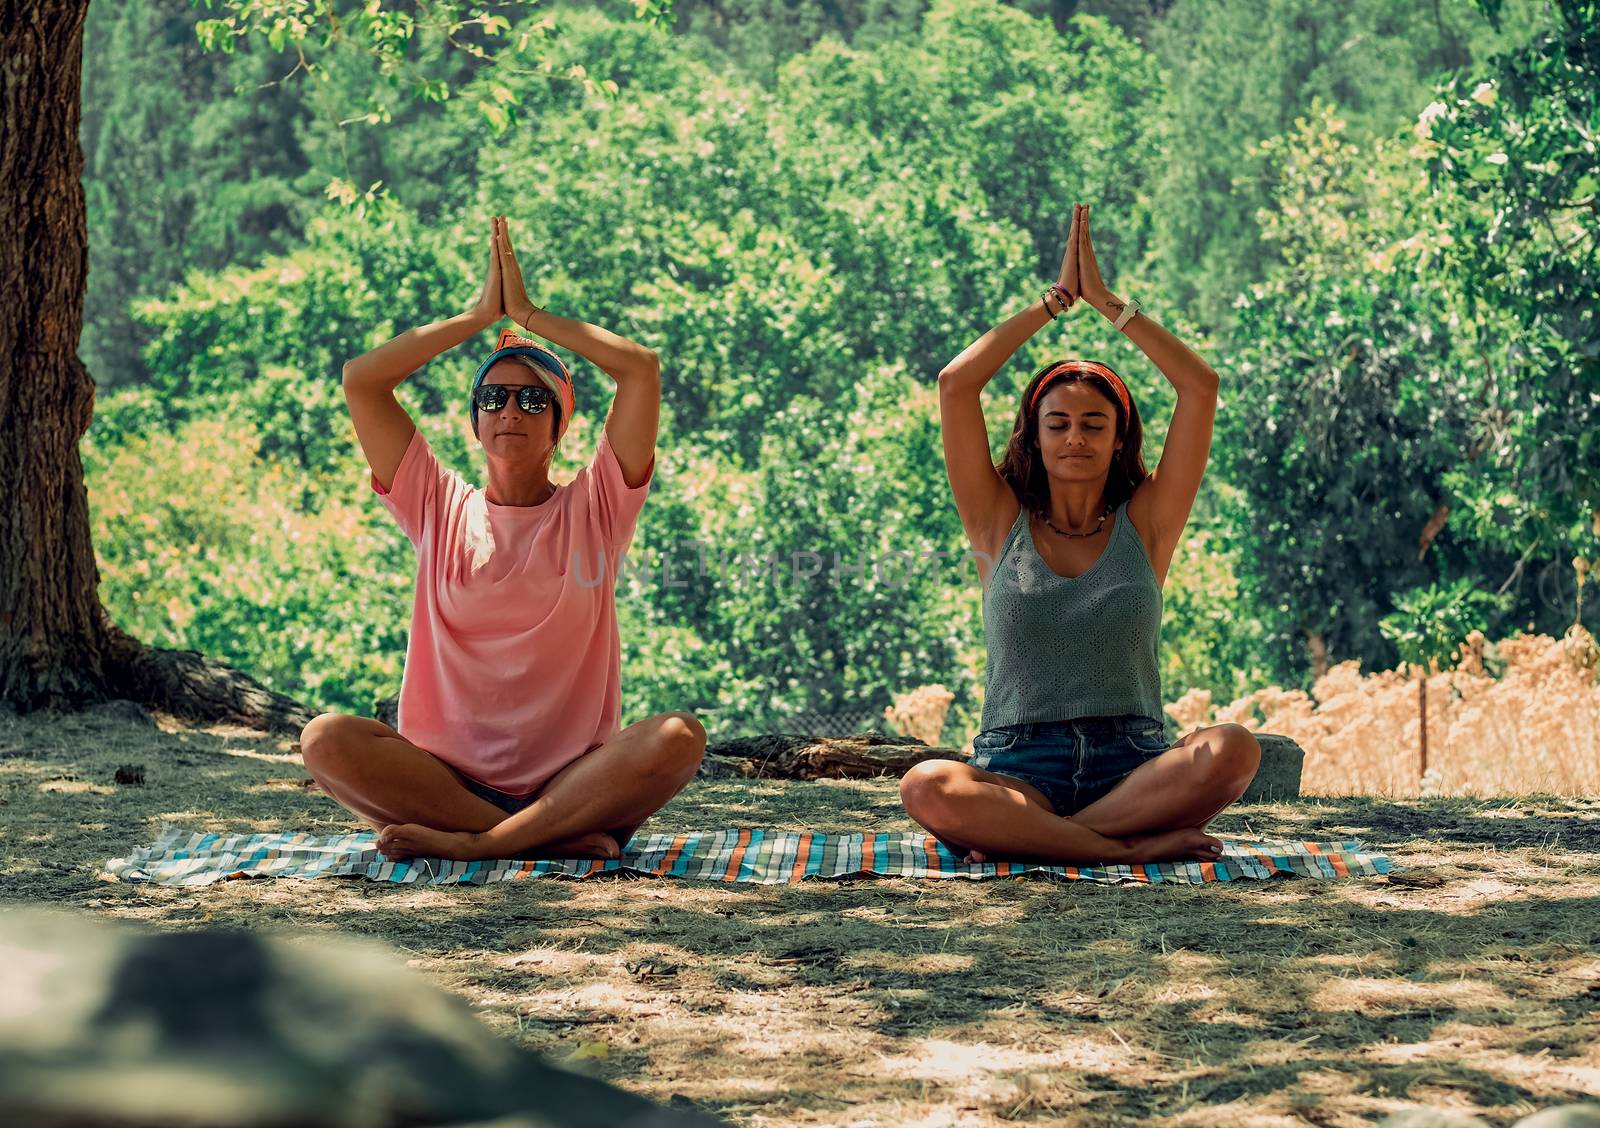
<point>1317,645</point>
<point>1422,713</point>
<point>58,648</point>
<point>1435,525</point>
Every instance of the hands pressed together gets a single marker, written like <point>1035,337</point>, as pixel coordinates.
<point>504,294</point>
<point>1080,272</point>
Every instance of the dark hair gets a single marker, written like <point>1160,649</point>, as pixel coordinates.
<point>1025,474</point>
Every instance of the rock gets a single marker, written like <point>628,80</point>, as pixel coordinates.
<point>107,1024</point>
<point>1432,1118</point>
<point>1563,1116</point>
<point>121,709</point>
<point>1278,777</point>
<point>389,711</point>
<point>130,775</point>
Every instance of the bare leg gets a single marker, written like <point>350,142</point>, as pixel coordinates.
<point>380,776</point>
<point>1158,813</point>
<point>1188,785</point>
<point>621,783</point>
<point>988,813</point>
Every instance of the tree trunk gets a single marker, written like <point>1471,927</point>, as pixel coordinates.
<point>58,648</point>
<point>1318,646</point>
<point>1431,530</point>
<point>1422,711</point>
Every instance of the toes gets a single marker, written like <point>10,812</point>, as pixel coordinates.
<point>394,843</point>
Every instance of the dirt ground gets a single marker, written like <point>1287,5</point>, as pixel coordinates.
<point>1468,980</point>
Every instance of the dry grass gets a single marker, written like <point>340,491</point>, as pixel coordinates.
<point>1534,728</point>
<point>926,1003</point>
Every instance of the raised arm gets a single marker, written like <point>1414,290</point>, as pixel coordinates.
<point>382,426</point>
<point>1175,482</point>
<point>983,498</point>
<point>636,410</point>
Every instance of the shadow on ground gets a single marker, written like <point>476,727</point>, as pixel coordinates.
<point>1470,980</point>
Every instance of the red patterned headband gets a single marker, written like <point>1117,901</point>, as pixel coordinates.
<point>1085,367</point>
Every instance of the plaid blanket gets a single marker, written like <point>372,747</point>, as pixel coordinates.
<point>765,857</point>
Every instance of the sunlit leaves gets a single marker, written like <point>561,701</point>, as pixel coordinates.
<point>204,541</point>
<point>388,37</point>
<point>1429,623</point>
<point>1353,406</point>
<point>1513,159</point>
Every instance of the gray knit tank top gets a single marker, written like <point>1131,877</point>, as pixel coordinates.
<point>1061,648</point>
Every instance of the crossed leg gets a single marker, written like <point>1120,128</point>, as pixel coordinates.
<point>418,804</point>
<point>1157,813</point>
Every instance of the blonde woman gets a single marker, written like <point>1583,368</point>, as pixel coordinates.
<point>508,737</point>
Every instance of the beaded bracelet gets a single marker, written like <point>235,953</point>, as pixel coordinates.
<point>1046,300</point>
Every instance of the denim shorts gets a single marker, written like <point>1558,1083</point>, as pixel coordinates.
<point>1073,762</point>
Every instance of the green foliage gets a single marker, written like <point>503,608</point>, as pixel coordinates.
<point>864,211</point>
<point>1511,156</point>
<point>1429,624</point>
<point>318,31</point>
<point>758,36</point>
<point>1212,638</point>
<point>807,582</point>
<point>267,344</point>
<point>203,543</point>
<point>806,239</point>
<point>1239,72</point>
<point>1349,406</point>
<point>178,175</point>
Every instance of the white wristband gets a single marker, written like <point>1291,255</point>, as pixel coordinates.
<point>1127,314</point>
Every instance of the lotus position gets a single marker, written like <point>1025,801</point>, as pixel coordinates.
<point>508,738</point>
<point>1073,538</point>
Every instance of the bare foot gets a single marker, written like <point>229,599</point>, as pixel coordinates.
<point>972,857</point>
<point>409,840</point>
<point>1188,843</point>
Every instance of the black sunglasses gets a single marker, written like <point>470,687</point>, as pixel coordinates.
<point>531,398</point>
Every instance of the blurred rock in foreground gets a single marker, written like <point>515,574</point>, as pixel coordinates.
<point>106,1024</point>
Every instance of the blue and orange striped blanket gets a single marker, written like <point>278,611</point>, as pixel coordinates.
<point>765,857</point>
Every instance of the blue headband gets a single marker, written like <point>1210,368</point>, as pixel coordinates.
<point>554,370</point>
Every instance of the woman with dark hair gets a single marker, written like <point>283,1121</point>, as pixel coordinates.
<point>1073,538</point>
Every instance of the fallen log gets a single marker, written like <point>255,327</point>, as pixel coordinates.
<point>873,753</point>
<point>870,754</point>
<point>779,755</point>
